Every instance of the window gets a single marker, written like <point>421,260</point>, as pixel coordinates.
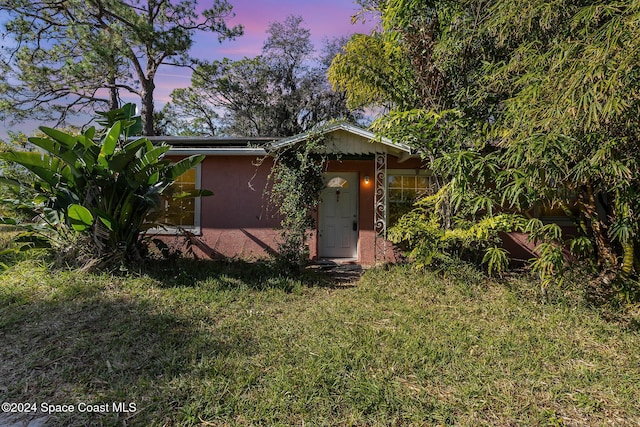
<point>183,213</point>
<point>404,187</point>
<point>557,214</point>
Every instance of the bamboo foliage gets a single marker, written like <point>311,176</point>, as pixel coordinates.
<point>545,94</point>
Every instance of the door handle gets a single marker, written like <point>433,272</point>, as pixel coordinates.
<point>355,226</point>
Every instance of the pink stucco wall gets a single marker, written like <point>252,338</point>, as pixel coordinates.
<point>238,186</point>
<point>235,221</point>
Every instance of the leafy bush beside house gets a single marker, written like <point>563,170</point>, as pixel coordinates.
<point>516,104</point>
<point>431,237</point>
<point>95,191</point>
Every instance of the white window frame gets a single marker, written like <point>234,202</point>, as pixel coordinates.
<point>403,172</point>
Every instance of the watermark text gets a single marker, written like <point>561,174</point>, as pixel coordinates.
<point>60,408</point>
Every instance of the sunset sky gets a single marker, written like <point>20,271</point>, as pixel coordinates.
<point>325,19</point>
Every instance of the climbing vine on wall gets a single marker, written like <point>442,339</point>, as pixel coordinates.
<point>294,192</point>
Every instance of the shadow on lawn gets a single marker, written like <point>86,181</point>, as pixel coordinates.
<point>99,346</point>
<point>235,274</point>
<point>96,342</point>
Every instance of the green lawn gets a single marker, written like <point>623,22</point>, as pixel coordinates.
<point>237,344</point>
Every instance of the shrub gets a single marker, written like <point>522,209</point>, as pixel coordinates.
<point>428,242</point>
<point>94,191</point>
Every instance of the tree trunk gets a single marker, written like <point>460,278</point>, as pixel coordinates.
<point>113,93</point>
<point>623,213</point>
<point>628,257</point>
<point>147,107</point>
<point>114,100</point>
<point>606,254</point>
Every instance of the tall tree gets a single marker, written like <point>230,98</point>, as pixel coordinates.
<point>279,93</point>
<point>66,57</point>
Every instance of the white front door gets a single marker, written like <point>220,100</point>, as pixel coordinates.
<point>338,216</point>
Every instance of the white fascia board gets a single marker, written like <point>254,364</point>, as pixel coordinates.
<point>217,151</point>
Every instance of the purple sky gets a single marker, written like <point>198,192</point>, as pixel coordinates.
<point>325,19</point>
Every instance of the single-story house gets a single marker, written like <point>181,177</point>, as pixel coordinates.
<point>369,179</point>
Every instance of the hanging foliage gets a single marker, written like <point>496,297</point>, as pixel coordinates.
<point>296,182</point>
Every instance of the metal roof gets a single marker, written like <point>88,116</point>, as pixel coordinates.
<point>215,146</point>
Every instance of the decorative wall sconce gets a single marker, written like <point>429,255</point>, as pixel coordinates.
<point>366,179</point>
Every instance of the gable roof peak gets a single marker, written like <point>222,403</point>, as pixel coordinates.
<point>385,144</point>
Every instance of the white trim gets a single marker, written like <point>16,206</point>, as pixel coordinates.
<point>197,214</point>
<point>347,128</point>
<point>403,172</point>
<point>401,150</point>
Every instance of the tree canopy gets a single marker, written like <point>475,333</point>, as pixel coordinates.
<point>71,56</point>
<point>281,92</point>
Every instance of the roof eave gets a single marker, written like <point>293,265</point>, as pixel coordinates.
<point>348,128</point>
<point>217,151</point>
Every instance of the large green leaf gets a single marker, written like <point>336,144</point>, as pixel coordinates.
<point>184,165</point>
<point>120,160</point>
<point>80,217</point>
<point>90,133</point>
<point>111,139</point>
<point>154,178</point>
<point>47,168</point>
<point>65,139</point>
<point>105,218</point>
<point>132,124</point>
<point>143,175</point>
<point>109,145</point>
<point>56,149</point>
<point>154,154</point>
<point>136,127</point>
<point>126,208</point>
<point>78,151</point>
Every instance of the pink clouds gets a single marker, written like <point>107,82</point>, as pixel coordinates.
<point>325,19</point>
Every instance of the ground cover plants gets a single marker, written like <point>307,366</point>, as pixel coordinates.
<point>233,343</point>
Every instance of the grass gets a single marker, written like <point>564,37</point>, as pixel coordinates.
<point>238,344</point>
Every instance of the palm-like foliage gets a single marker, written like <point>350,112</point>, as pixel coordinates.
<point>103,186</point>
